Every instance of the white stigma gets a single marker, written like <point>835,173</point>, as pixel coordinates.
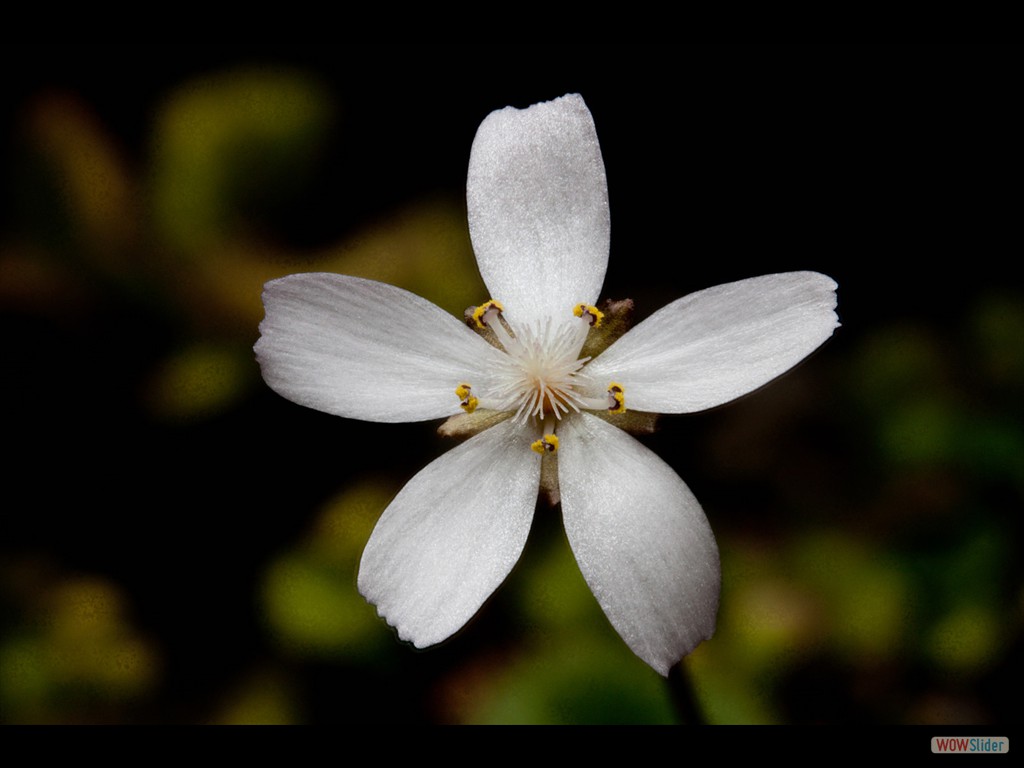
<point>539,376</point>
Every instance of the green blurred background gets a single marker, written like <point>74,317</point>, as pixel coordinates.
<point>180,544</point>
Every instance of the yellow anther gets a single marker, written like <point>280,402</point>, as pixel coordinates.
<point>616,398</point>
<point>547,444</point>
<point>590,313</point>
<point>465,394</point>
<point>483,309</point>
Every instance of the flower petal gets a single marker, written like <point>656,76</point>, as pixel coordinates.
<point>452,535</point>
<point>366,350</point>
<point>538,208</point>
<point>712,346</point>
<point>641,541</point>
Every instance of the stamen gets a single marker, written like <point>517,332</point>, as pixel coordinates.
<point>486,312</point>
<point>590,313</point>
<point>539,377</point>
<point>489,315</point>
<point>468,402</point>
<point>547,444</point>
<point>616,398</point>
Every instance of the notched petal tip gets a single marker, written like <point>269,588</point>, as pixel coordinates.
<point>818,288</point>
<point>641,540</point>
<point>452,535</point>
<point>813,287</point>
<point>720,343</point>
<point>537,201</point>
<point>362,349</point>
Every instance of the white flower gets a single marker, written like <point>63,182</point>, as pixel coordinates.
<point>538,218</point>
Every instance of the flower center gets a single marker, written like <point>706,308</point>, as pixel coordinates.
<point>542,376</point>
<point>538,378</point>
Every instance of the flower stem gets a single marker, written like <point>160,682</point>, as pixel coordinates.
<point>684,697</point>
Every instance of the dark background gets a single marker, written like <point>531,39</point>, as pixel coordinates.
<point>867,505</point>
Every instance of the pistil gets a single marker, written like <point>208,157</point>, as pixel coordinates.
<point>540,377</point>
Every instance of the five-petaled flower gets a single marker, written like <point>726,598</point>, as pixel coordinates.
<point>539,223</point>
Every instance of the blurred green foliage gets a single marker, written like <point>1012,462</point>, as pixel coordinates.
<point>74,655</point>
<point>309,594</point>
<point>223,142</point>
